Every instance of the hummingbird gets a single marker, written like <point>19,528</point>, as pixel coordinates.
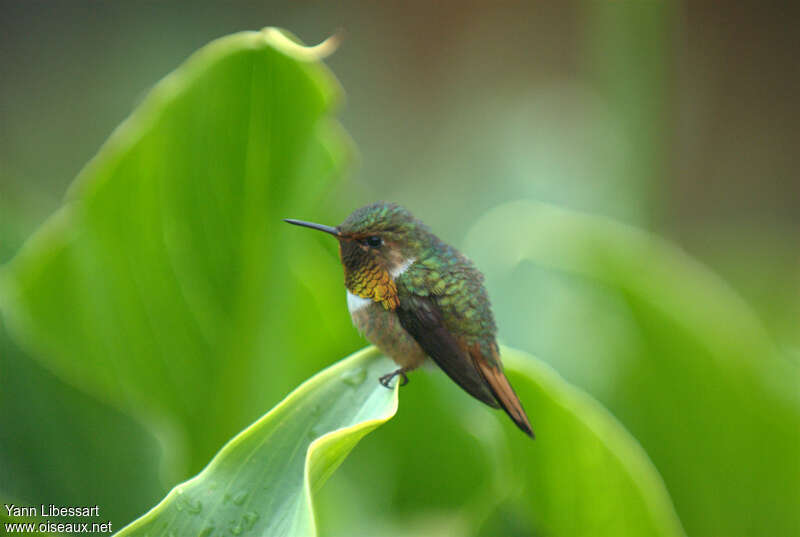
<point>416,297</point>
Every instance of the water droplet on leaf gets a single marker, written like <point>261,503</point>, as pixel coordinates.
<point>240,497</point>
<point>249,519</point>
<point>354,377</point>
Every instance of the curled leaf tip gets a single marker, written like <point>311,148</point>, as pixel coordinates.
<point>286,43</point>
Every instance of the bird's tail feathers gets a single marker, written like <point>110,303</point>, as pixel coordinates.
<point>502,390</point>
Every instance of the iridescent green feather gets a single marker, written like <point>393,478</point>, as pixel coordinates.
<point>456,287</point>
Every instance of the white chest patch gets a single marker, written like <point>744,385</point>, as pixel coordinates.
<point>402,267</point>
<point>355,302</point>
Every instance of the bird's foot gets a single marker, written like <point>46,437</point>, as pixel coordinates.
<point>386,379</point>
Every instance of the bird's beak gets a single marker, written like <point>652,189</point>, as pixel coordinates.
<point>327,229</point>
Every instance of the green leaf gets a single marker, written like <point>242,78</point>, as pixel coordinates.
<point>263,481</point>
<point>584,474</point>
<point>167,284</point>
<point>667,347</point>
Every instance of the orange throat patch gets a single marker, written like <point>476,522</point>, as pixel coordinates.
<point>374,283</point>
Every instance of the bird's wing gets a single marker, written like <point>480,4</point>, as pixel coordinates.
<point>422,318</point>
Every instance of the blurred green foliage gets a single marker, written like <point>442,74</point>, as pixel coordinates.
<point>686,365</point>
<point>60,445</point>
<point>166,270</point>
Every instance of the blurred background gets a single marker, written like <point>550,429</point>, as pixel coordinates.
<point>679,119</point>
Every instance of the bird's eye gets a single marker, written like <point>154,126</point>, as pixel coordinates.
<point>373,241</point>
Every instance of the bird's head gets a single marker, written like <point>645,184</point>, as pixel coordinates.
<point>377,243</point>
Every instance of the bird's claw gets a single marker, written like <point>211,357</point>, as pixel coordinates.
<point>386,379</point>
